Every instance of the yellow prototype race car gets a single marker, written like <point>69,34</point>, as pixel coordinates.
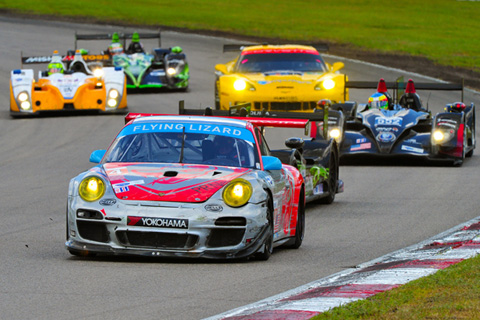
<point>69,84</point>
<point>278,77</point>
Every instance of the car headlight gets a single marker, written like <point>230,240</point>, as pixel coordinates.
<point>112,98</point>
<point>239,85</point>
<point>237,193</point>
<point>441,136</point>
<point>91,188</point>
<point>24,100</point>
<point>171,71</point>
<point>98,73</point>
<point>335,133</point>
<point>113,94</point>
<point>326,84</point>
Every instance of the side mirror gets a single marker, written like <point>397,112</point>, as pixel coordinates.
<point>294,143</point>
<point>97,156</point>
<point>337,66</point>
<point>271,163</point>
<point>221,68</point>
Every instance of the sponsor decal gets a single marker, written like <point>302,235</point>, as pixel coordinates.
<point>446,120</point>
<point>213,185</point>
<point>157,73</point>
<point>128,183</point>
<point>108,202</point>
<point>393,121</point>
<point>412,149</point>
<point>318,189</point>
<point>386,137</point>
<point>189,128</point>
<point>157,222</point>
<point>362,146</point>
<point>446,124</point>
<point>283,81</point>
<point>121,189</point>
<point>269,181</point>
<point>214,207</point>
<point>361,140</point>
<point>394,129</point>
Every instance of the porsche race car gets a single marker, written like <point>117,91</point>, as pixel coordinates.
<point>278,77</point>
<point>169,186</point>
<point>74,86</point>
<point>403,126</point>
<point>163,68</point>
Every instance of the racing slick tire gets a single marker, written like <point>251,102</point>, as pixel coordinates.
<point>332,181</point>
<point>266,249</point>
<point>296,241</point>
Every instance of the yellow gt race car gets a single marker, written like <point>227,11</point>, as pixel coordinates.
<point>278,77</point>
<point>66,86</point>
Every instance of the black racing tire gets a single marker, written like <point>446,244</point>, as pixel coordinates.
<point>297,240</point>
<point>266,249</point>
<point>332,180</point>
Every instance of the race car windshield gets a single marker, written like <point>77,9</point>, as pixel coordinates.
<point>267,62</point>
<point>191,148</point>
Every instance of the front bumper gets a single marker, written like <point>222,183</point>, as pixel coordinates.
<point>231,233</point>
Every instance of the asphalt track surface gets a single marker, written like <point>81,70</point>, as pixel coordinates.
<point>385,206</point>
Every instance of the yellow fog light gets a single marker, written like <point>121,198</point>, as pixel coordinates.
<point>237,193</point>
<point>112,103</point>
<point>328,84</point>
<point>25,105</point>
<point>438,135</point>
<point>240,85</point>
<point>91,189</point>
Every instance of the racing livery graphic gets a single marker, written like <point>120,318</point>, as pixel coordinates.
<point>278,78</point>
<point>187,186</point>
<point>401,125</point>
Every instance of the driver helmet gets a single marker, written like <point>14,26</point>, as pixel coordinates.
<point>115,48</point>
<point>177,49</point>
<point>378,101</point>
<point>55,65</point>
<point>224,145</point>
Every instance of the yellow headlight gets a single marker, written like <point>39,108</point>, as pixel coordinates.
<point>25,105</point>
<point>91,189</point>
<point>237,193</point>
<point>438,135</point>
<point>240,85</point>
<point>328,84</point>
<point>171,71</point>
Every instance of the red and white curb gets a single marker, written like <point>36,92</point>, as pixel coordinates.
<point>382,274</point>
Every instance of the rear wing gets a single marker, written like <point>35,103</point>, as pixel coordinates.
<point>121,36</point>
<point>65,58</point>
<point>259,119</point>
<point>320,47</point>
<point>399,86</point>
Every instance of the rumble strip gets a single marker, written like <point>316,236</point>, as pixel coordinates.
<point>382,274</point>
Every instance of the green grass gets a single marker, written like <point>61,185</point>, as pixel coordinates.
<point>452,293</point>
<point>445,31</point>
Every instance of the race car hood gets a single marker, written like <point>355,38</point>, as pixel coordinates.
<point>283,78</point>
<point>388,125</point>
<point>171,182</point>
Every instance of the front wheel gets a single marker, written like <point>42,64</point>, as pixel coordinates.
<point>267,248</point>
<point>296,242</point>
<point>332,181</point>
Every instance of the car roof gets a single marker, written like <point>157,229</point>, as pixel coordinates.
<point>284,48</point>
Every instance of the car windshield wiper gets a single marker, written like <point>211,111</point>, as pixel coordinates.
<point>183,146</point>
